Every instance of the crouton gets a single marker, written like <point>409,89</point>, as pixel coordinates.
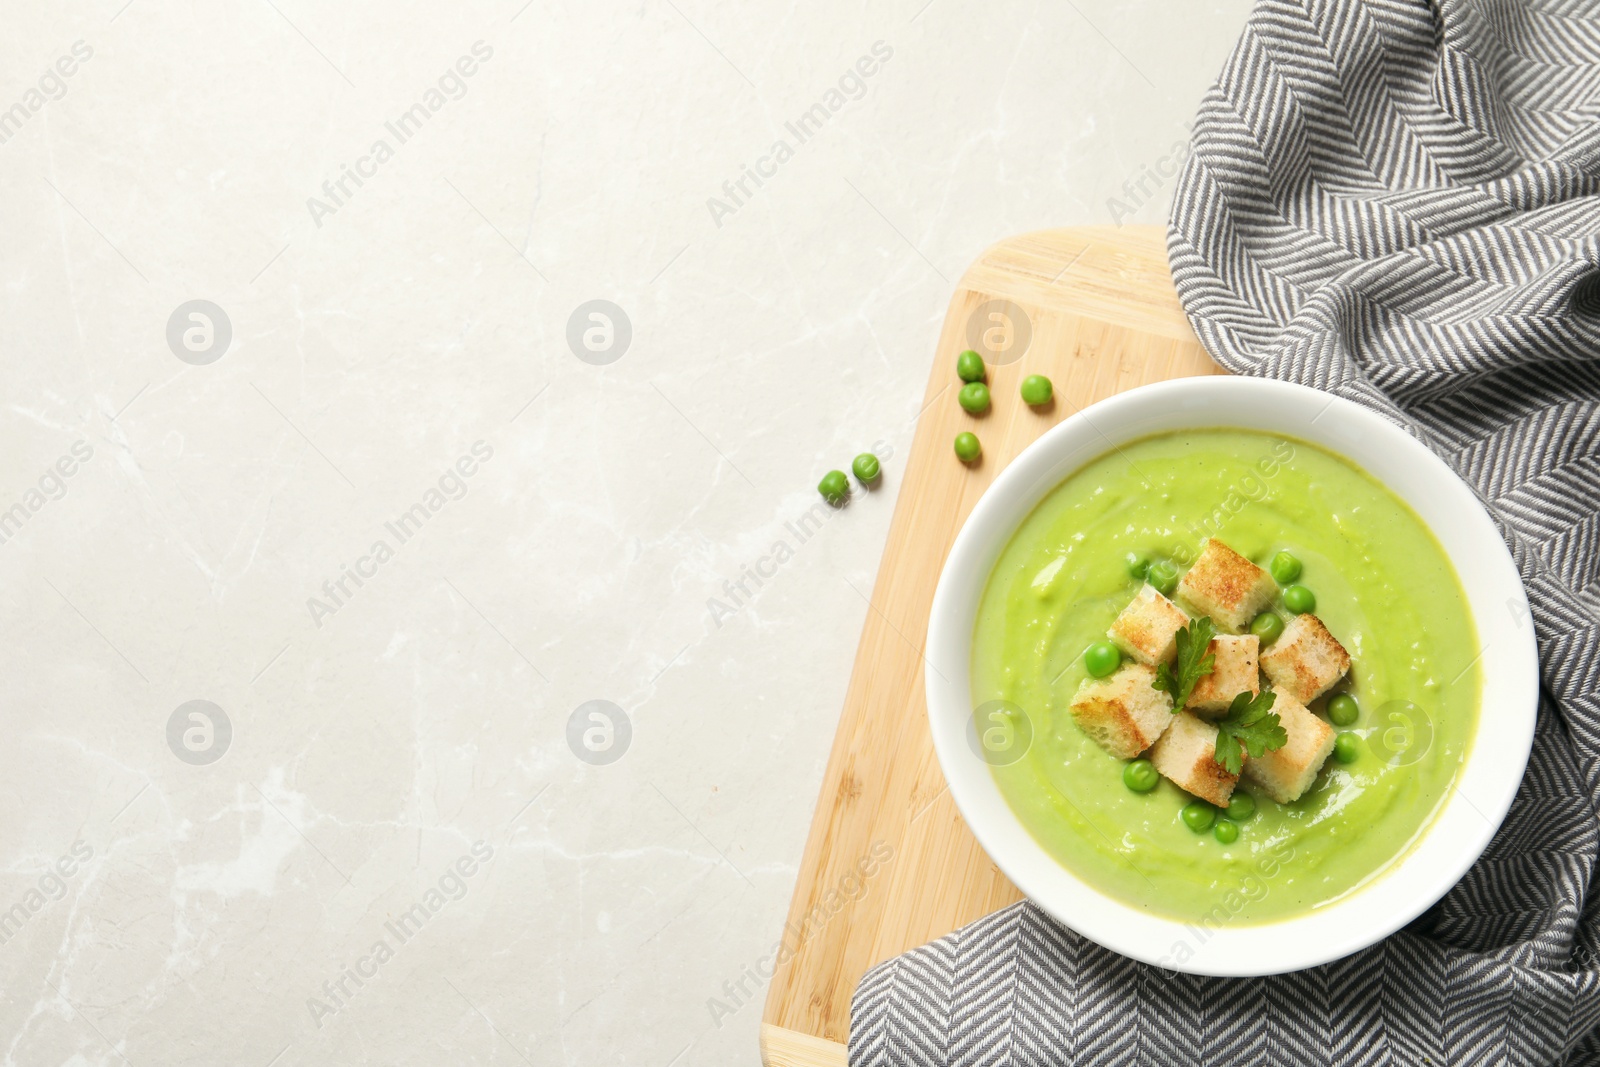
<point>1284,774</point>
<point>1234,672</point>
<point>1123,713</point>
<point>1186,753</point>
<point>1147,628</point>
<point>1306,660</point>
<point>1227,587</point>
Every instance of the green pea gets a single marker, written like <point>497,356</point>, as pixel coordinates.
<point>1285,568</point>
<point>1138,566</point>
<point>1241,806</point>
<point>865,467</point>
<point>974,398</point>
<point>1036,390</point>
<point>969,366</point>
<point>834,487</point>
<point>1164,576</point>
<point>1299,599</point>
<point>1102,658</point>
<point>1268,627</point>
<point>1198,816</point>
<point>1226,832</point>
<point>1346,747</point>
<point>967,447</point>
<point>1343,709</point>
<point>1140,776</point>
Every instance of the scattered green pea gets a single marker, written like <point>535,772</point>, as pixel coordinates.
<point>1285,568</point>
<point>969,366</point>
<point>1164,576</point>
<point>967,447</point>
<point>1198,816</point>
<point>974,398</point>
<point>1037,390</point>
<point>1268,627</point>
<point>1140,776</point>
<point>1102,658</point>
<point>834,487</point>
<point>865,467</point>
<point>1299,599</point>
<point>1226,832</point>
<point>1138,566</point>
<point>1241,806</point>
<point>1346,747</point>
<point>1343,709</point>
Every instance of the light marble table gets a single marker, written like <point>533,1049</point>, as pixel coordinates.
<point>333,501</point>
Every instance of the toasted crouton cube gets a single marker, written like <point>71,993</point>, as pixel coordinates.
<point>1305,660</point>
<point>1284,774</point>
<point>1226,586</point>
<point>1148,627</point>
<point>1234,672</point>
<point>1124,712</point>
<point>1187,754</point>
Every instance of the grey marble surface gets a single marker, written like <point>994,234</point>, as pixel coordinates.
<point>320,535</point>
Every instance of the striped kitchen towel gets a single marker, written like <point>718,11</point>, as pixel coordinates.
<point>1397,201</point>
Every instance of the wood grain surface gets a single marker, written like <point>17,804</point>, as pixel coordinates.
<point>889,864</point>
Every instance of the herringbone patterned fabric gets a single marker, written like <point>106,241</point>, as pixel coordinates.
<point>1398,202</point>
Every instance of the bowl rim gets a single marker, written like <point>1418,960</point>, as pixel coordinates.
<point>1442,851</point>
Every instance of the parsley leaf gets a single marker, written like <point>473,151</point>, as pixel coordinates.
<point>1193,662</point>
<point>1250,722</point>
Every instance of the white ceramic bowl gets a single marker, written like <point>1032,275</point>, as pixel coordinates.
<point>1495,761</point>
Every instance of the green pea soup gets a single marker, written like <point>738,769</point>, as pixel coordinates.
<point>1383,587</point>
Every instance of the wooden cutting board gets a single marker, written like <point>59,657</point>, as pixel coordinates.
<point>889,864</point>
